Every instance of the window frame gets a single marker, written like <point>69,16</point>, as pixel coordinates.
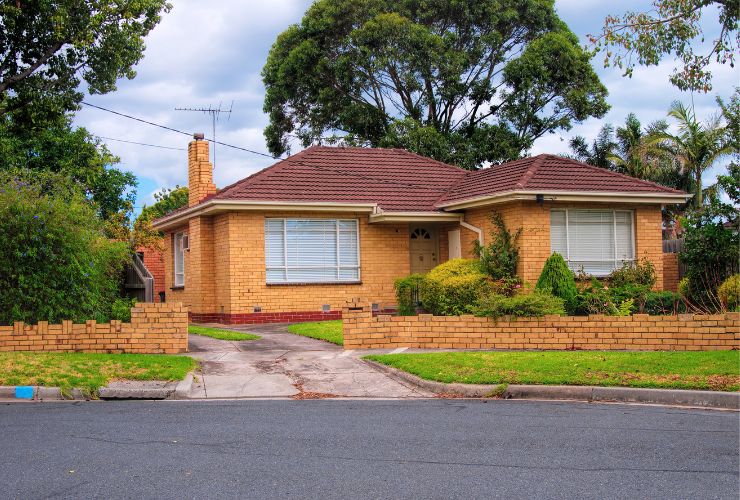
<point>178,246</point>
<point>616,261</point>
<point>286,268</point>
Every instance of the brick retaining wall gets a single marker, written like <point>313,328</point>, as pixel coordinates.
<point>685,332</point>
<point>154,329</point>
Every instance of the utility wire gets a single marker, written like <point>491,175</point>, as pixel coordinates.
<point>175,130</point>
<point>140,143</point>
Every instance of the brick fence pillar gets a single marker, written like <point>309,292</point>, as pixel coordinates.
<point>355,313</point>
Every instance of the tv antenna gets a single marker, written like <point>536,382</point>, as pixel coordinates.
<point>215,116</point>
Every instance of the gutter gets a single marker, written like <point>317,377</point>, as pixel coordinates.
<point>473,228</point>
<point>604,197</point>
<point>215,206</point>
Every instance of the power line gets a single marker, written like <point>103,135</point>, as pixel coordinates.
<point>175,130</point>
<point>140,143</point>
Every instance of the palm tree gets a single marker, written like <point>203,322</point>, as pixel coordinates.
<point>598,153</point>
<point>636,152</point>
<point>695,148</point>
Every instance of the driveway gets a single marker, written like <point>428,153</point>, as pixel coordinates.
<point>283,365</point>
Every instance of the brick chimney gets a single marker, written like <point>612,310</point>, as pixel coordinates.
<point>200,171</point>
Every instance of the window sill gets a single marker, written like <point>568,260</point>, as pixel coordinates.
<point>181,287</point>
<point>320,283</point>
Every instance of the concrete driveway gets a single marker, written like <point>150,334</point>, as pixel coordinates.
<point>283,365</point>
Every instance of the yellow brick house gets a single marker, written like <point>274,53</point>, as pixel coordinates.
<point>296,240</point>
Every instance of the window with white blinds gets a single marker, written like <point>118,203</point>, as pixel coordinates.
<point>179,259</point>
<point>312,250</point>
<point>597,241</point>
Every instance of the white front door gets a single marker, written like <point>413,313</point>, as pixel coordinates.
<point>423,249</point>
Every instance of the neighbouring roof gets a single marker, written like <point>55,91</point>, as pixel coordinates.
<point>548,173</point>
<point>399,181</point>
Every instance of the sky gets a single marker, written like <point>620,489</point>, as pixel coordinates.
<point>211,53</point>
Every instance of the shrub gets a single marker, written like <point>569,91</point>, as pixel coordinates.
<point>499,258</point>
<point>121,308</point>
<point>598,298</point>
<point>407,293</point>
<point>557,279</point>
<point>450,288</point>
<point>729,292</point>
<point>662,303</point>
<point>711,254</point>
<point>55,263</point>
<point>683,287</point>
<point>537,303</point>
<point>641,272</point>
<point>506,286</point>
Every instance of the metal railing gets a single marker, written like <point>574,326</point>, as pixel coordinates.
<point>138,281</point>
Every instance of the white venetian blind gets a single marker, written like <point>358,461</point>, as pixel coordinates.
<point>311,250</point>
<point>179,263</point>
<point>596,241</point>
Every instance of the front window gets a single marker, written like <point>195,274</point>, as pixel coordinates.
<point>312,251</point>
<point>597,241</point>
<point>180,259</point>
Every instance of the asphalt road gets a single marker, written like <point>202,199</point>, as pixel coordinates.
<point>357,449</point>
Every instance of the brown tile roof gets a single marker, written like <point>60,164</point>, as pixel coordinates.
<point>547,173</point>
<point>395,179</point>
<point>400,181</point>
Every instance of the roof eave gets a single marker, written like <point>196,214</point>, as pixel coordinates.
<point>215,206</point>
<point>414,217</point>
<point>550,195</point>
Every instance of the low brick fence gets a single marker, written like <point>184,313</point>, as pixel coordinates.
<point>154,329</point>
<point>685,332</point>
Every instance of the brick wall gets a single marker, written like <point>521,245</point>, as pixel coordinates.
<point>225,271</point>
<point>534,243</point>
<point>154,262</point>
<point>154,329</point>
<point>685,332</point>
<point>670,272</point>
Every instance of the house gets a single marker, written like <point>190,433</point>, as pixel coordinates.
<point>296,240</point>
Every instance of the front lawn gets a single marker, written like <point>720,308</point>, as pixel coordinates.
<point>711,370</point>
<point>88,371</point>
<point>331,331</point>
<point>220,333</point>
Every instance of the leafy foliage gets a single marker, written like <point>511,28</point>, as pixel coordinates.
<point>535,304</point>
<point>500,257</point>
<point>711,254</point>
<point>464,82</point>
<point>450,288</point>
<point>641,272</point>
<point>74,153</point>
<point>669,28</point>
<point>121,308</point>
<point>166,201</point>
<point>664,303</point>
<point>729,292</point>
<point>47,47</point>
<point>55,262</point>
<point>556,278</point>
<point>407,290</point>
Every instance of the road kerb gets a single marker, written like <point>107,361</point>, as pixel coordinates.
<point>679,397</point>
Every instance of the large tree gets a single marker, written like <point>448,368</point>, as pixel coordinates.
<point>464,81</point>
<point>74,153</point>
<point>48,46</point>
<point>672,28</point>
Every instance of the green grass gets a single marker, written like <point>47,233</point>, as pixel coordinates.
<point>221,334</point>
<point>88,371</point>
<point>331,331</point>
<point>711,370</point>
